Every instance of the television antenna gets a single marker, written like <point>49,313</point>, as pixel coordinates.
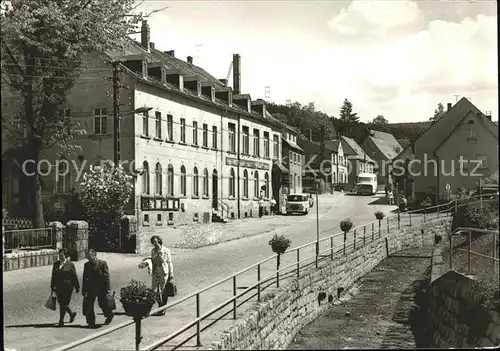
<point>267,92</point>
<point>456,97</point>
<point>288,102</point>
<point>197,46</point>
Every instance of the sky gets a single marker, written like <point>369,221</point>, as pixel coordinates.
<point>393,58</point>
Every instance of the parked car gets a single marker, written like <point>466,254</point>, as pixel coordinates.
<point>297,203</point>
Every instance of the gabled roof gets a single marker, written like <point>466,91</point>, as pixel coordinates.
<point>386,143</point>
<point>292,144</point>
<point>334,145</point>
<point>352,148</point>
<point>452,118</point>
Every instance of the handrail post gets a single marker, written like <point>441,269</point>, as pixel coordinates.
<point>399,221</point>
<point>438,210</point>
<point>373,231</point>
<point>345,238</point>
<point>456,205</point>
<point>138,336</point>
<point>469,254</point>
<point>258,280</point>
<point>355,232</point>
<point>198,341</point>
<point>364,234</point>
<point>410,217</point>
<point>451,250</point>
<point>298,263</point>
<point>388,228</point>
<point>495,253</point>
<point>234,294</point>
<point>278,270</point>
<point>331,248</point>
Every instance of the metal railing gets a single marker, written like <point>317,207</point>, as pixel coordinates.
<point>29,239</point>
<point>340,243</point>
<point>469,234</point>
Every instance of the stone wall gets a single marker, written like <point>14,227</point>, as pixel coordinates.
<point>273,323</point>
<point>73,236</point>
<point>457,319</point>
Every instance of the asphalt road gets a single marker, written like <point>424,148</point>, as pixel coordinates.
<point>29,326</point>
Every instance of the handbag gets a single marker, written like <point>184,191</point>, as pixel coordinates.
<point>111,301</point>
<point>51,302</point>
<point>170,288</point>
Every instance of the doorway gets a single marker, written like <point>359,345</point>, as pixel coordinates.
<point>215,190</point>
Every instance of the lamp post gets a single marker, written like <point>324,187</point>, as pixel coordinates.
<point>316,183</point>
<point>116,149</point>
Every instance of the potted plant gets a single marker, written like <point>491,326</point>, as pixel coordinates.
<point>279,244</point>
<point>345,226</point>
<point>137,299</point>
<point>379,215</point>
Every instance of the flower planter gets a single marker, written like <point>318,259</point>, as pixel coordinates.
<point>137,309</point>
<point>279,249</point>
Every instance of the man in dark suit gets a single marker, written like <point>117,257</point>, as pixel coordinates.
<point>96,285</point>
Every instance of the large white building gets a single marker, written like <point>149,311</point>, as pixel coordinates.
<point>202,151</point>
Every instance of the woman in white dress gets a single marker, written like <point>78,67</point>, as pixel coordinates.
<point>162,269</point>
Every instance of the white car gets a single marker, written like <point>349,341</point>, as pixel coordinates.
<point>297,203</point>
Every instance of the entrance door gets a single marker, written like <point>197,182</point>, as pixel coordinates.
<point>215,190</point>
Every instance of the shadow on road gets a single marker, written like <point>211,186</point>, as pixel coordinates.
<point>45,325</point>
<point>411,314</point>
<point>379,201</point>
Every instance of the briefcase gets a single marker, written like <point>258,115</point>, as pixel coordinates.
<point>51,302</point>
<point>111,301</point>
<point>85,306</point>
<point>170,288</point>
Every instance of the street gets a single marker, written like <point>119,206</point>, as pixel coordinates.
<point>29,325</point>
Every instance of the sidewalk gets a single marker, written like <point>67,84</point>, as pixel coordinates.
<point>386,309</point>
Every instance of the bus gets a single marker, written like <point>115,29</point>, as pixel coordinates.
<point>367,184</point>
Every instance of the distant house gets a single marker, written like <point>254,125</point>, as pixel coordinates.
<point>319,164</point>
<point>382,148</point>
<point>292,158</point>
<point>358,160</point>
<point>340,170</point>
<point>433,160</point>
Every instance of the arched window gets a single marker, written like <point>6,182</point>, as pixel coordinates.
<point>145,178</point>
<point>205,182</point>
<point>256,184</point>
<point>232,190</point>
<point>195,182</point>
<point>158,179</point>
<point>170,180</point>
<point>245,183</point>
<point>266,177</point>
<point>183,181</point>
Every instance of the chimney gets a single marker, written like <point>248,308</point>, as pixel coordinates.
<point>145,35</point>
<point>223,81</point>
<point>170,53</point>
<point>448,107</point>
<point>151,45</point>
<point>236,74</point>
<point>189,60</point>
<point>488,114</point>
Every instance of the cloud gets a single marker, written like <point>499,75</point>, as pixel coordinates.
<point>374,19</point>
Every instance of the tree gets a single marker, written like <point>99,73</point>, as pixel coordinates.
<point>438,113</point>
<point>346,113</point>
<point>42,48</point>
<point>104,192</point>
<point>380,120</point>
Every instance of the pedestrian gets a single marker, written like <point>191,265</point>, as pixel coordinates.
<point>96,285</point>
<point>261,207</point>
<point>62,283</point>
<point>162,270</point>
<point>391,197</point>
<point>273,205</point>
<point>386,191</point>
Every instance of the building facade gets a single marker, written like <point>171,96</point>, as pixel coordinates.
<point>340,175</point>
<point>454,152</point>
<point>357,161</point>
<point>292,159</point>
<point>199,150</point>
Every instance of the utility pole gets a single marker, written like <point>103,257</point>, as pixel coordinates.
<point>116,113</point>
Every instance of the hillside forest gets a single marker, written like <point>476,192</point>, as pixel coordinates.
<point>320,126</point>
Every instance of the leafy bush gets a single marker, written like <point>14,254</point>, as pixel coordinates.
<point>426,202</point>
<point>346,225</point>
<point>137,292</point>
<point>379,215</point>
<point>279,243</point>
<point>476,216</point>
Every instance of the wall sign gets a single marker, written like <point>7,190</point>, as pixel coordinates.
<point>231,161</point>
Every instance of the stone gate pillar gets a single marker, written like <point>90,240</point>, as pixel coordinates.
<point>57,233</point>
<point>77,239</point>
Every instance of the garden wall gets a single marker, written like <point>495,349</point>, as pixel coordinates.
<point>73,236</point>
<point>457,319</point>
<point>272,324</point>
